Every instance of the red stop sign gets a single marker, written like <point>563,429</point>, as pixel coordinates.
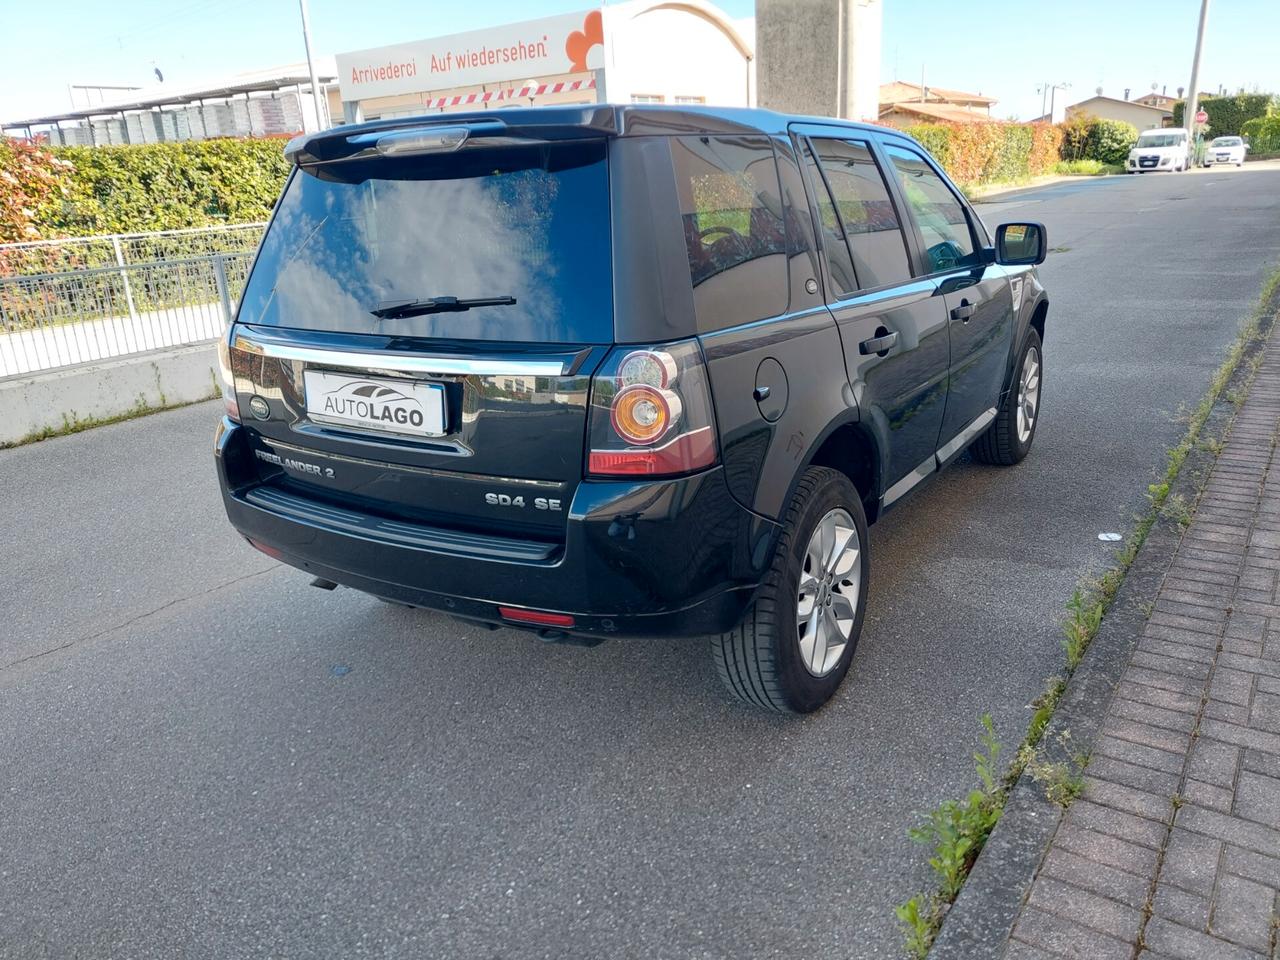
<point>1201,117</point>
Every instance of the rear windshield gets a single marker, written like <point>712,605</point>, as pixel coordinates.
<point>1227,142</point>
<point>1161,139</point>
<point>526,222</point>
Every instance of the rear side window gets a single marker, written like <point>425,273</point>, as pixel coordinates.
<point>734,229</point>
<point>865,213</point>
<point>524,222</point>
<point>839,262</point>
<point>938,212</point>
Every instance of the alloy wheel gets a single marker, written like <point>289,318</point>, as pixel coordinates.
<point>828,595</point>
<point>1028,394</point>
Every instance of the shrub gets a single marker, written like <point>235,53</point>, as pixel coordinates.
<point>1263,134</point>
<point>1110,141</point>
<point>936,138</point>
<point>1075,137</point>
<point>77,191</point>
<point>990,152</point>
<point>1046,147</point>
<point>1084,168</point>
<point>164,186</point>
<point>1092,138</point>
<point>32,181</point>
<point>1228,115</point>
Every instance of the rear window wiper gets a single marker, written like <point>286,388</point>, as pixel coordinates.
<point>416,308</point>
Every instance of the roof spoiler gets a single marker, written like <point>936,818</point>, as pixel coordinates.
<point>332,146</point>
<point>444,134</point>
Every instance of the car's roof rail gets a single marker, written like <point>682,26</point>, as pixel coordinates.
<point>552,123</point>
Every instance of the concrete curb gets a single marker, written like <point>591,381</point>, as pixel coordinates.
<point>979,923</point>
<point>59,398</point>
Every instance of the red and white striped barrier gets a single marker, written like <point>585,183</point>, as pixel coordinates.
<point>514,93</point>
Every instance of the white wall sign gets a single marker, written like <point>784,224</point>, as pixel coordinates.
<point>569,43</point>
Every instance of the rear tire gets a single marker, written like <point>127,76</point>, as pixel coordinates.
<point>781,657</point>
<point>1011,434</point>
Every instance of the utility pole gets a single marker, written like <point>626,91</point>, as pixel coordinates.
<point>1192,106</point>
<point>311,65</point>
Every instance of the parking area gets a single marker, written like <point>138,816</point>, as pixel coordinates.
<point>205,756</point>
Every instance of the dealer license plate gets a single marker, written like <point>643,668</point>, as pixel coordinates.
<point>409,407</point>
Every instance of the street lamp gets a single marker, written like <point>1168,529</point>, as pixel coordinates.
<point>311,66</point>
<point>1048,93</point>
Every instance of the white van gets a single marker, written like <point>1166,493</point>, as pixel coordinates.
<point>1163,149</point>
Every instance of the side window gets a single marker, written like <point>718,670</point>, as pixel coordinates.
<point>734,231</point>
<point>839,263</point>
<point>938,212</point>
<point>866,214</point>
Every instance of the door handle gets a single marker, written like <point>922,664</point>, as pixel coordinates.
<point>963,312</point>
<point>878,345</point>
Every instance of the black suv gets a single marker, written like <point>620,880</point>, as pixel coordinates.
<point>621,371</point>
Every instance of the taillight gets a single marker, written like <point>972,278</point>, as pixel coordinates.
<point>226,381</point>
<point>651,413</point>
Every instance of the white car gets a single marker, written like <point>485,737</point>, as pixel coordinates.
<point>1225,150</point>
<point>1163,149</point>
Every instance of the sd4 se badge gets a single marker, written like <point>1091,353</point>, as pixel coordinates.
<point>506,500</point>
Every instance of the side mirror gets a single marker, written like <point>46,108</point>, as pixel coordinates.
<point>1021,244</point>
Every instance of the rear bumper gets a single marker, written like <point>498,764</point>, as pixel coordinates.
<point>640,558</point>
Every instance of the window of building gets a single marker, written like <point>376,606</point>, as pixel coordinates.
<point>690,100</point>
<point>735,234</point>
<point>863,213</point>
<point>647,98</point>
<point>948,237</point>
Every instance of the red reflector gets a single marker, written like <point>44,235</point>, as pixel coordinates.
<point>271,552</point>
<point>687,452</point>
<point>541,618</point>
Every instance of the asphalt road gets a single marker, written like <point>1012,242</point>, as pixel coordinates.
<point>202,756</point>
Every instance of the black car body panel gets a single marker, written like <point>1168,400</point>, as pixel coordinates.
<point>500,507</point>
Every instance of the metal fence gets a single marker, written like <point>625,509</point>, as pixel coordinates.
<point>51,320</point>
<point>122,249</point>
<point>60,305</point>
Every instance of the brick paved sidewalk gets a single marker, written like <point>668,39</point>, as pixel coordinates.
<point>1173,851</point>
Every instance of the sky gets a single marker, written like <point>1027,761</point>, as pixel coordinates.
<point>1009,49</point>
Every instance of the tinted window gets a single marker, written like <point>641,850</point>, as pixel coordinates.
<point>735,236</point>
<point>865,212</point>
<point>839,262</point>
<point>937,210</point>
<point>526,222</point>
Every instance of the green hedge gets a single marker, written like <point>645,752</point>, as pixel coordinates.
<point>1263,134</point>
<point>1091,138</point>
<point>976,153</point>
<point>1228,115</point>
<point>134,189</point>
<point>164,186</point>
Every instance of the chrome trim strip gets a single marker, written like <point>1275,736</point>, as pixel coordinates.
<point>484,478</point>
<point>401,363</point>
<point>965,436</point>
<point>903,486</point>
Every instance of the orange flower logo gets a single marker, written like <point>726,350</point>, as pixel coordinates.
<point>581,41</point>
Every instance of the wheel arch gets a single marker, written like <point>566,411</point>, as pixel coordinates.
<point>851,447</point>
<point>1038,317</point>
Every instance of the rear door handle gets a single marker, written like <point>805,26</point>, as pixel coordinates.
<point>880,345</point>
<point>963,312</point>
